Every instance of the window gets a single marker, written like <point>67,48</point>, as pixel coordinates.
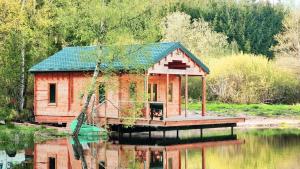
<point>152,92</point>
<point>132,90</point>
<point>52,93</point>
<point>170,92</point>
<point>52,163</point>
<point>102,93</point>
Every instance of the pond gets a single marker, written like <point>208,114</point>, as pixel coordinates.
<point>247,149</point>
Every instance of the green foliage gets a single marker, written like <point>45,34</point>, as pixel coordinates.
<point>7,114</point>
<point>289,38</point>
<point>197,35</point>
<point>250,109</point>
<point>252,25</point>
<point>251,79</point>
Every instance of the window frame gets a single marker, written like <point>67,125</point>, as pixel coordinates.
<point>49,94</point>
<point>135,92</point>
<point>105,96</point>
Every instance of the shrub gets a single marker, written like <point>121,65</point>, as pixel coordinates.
<point>7,114</point>
<point>251,79</point>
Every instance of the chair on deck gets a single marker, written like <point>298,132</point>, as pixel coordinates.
<point>156,110</point>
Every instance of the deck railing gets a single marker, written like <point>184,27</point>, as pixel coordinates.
<point>108,108</point>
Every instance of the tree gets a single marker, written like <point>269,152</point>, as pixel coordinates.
<point>197,35</point>
<point>289,39</point>
<point>119,28</point>
<point>24,37</point>
<point>253,25</point>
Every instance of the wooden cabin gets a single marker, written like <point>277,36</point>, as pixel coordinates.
<point>160,69</point>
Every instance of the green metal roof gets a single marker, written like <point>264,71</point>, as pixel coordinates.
<point>83,58</point>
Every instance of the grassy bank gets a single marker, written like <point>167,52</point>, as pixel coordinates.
<point>250,109</point>
<point>13,132</point>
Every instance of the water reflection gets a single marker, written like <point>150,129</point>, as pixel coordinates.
<point>263,149</point>
<point>134,152</point>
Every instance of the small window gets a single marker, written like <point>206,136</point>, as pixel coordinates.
<point>102,93</point>
<point>52,91</point>
<point>132,90</point>
<point>154,97</point>
<point>170,92</point>
<point>52,163</point>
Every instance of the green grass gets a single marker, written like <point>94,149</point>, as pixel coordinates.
<point>250,109</point>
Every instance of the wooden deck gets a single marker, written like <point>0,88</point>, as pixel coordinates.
<point>176,121</point>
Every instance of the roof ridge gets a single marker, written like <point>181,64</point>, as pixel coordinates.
<point>177,42</point>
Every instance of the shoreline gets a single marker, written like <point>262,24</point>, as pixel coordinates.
<point>270,122</point>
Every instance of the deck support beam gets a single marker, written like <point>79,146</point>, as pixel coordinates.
<point>203,95</point>
<point>201,132</point>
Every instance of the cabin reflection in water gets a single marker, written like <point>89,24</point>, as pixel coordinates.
<point>156,153</point>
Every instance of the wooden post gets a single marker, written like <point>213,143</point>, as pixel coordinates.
<point>179,95</point>
<point>203,95</point>
<point>186,94</point>
<point>167,99</point>
<point>147,96</point>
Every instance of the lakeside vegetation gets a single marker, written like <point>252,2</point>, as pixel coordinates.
<point>11,134</point>
<point>250,109</point>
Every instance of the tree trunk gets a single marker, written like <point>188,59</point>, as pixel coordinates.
<point>22,79</point>
<point>79,150</point>
<point>91,90</point>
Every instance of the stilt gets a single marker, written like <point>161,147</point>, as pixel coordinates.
<point>149,130</point>
<point>119,131</point>
<point>201,133</point>
<point>177,134</point>
<point>232,130</point>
